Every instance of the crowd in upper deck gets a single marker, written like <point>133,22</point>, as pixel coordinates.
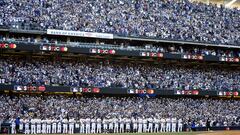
<point>167,19</point>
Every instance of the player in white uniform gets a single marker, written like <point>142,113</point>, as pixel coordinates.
<point>99,125</point>
<point>105,125</point>
<point>156,125</point>
<point>33,126</point>
<point>93,125</point>
<point>59,127</point>
<point>65,126</point>
<point>71,125</point>
<point>21,125</point>
<point>134,122</point>
<point>88,124</point>
<point>140,125</point>
<point>128,124</point>
<point>168,128</point>
<point>54,126</point>
<point>13,126</point>
<point>174,124</point>
<point>26,126</point>
<point>121,125</point>
<point>163,125</point>
<point>38,121</point>
<point>44,126</point>
<point>144,125</point>
<point>49,123</point>
<point>116,126</point>
<point>110,122</point>
<point>82,126</point>
<point>180,125</point>
<point>150,125</point>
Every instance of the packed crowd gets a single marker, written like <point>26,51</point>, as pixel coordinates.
<point>177,49</point>
<point>114,74</point>
<point>169,19</point>
<point>127,110</point>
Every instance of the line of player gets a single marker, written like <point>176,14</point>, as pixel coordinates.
<point>98,125</point>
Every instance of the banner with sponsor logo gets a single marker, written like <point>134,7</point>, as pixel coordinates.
<point>151,54</point>
<point>8,46</point>
<point>192,57</point>
<point>79,34</point>
<point>102,51</point>
<point>228,93</point>
<point>30,88</point>
<point>53,48</point>
<point>228,59</point>
<point>186,92</point>
<point>85,90</point>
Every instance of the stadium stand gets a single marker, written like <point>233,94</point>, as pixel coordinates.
<point>170,19</point>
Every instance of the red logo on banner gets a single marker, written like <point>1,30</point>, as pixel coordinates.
<point>41,88</point>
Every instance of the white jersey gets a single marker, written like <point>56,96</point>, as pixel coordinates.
<point>88,121</point>
<point>174,120</point>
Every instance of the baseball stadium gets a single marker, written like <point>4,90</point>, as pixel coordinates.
<point>120,67</point>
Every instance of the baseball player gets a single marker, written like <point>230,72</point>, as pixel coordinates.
<point>82,125</point>
<point>180,125</point>
<point>21,125</point>
<point>144,125</point>
<point>99,125</point>
<point>88,123</point>
<point>140,125</point>
<point>26,124</point>
<point>168,128</point>
<point>13,126</point>
<point>93,125</point>
<point>110,125</point>
<point>59,127</point>
<point>54,126</point>
<point>44,126</point>
<point>38,121</point>
<point>128,122</point>
<point>121,125</point>
<point>71,126</point>
<point>134,122</point>
<point>163,125</point>
<point>115,121</point>
<point>33,126</point>
<point>65,126</point>
<point>105,125</point>
<point>156,125</point>
<point>150,125</point>
<point>174,124</point>
<point>48,121</point>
